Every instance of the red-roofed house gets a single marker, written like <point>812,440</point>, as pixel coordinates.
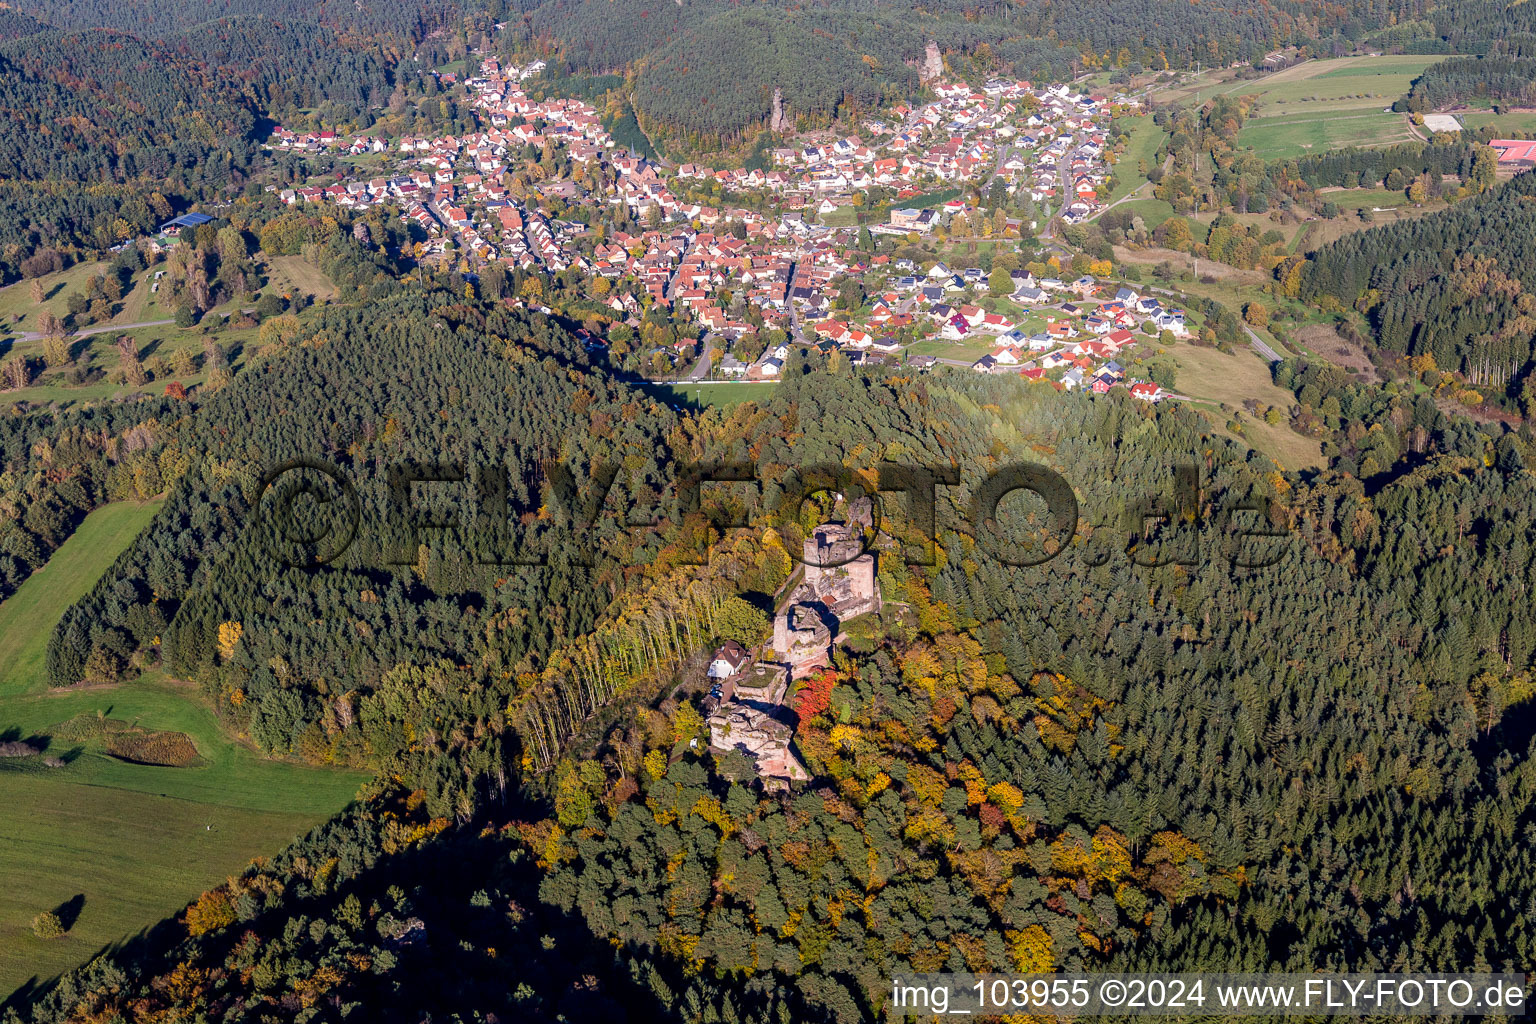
<point>1515,151</point>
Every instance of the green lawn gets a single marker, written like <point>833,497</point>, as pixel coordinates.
<point>1523,122</point>
<point>970,351</point>
<point>137,842</point>
<point>1153,212</point>
<point>28,615</point>
<point>1145,138</point>
<point>1295,134</point>
<point>842,217</point>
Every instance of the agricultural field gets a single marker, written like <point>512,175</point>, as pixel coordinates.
<point>28,615</point>
<point>1296,134</point>
<point>114,838</point>
<point>1344,83</point>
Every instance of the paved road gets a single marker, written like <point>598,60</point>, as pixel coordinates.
<point>1258,344</point>
<point>87,332</point>
<point>701,368</point>
<point>1063,169</point>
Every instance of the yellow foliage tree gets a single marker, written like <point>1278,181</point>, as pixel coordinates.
<point>213,910</point>
<point>1031,950</point>
<point>229,638</point>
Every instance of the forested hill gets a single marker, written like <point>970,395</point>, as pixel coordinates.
<point>708,70</point>
<point>1457,26</point>
<point>1456,285</point>
<point>286,67</point>
<point>69,87</point>
<point>106,133</point>
<point>1089,765</point>
<point>410,380</point>
<point>407,21</point>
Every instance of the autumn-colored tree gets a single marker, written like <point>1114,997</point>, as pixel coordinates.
<point>213,910</point>
<point>47,925</point>
<point>229,638</point>
<point>184,362</point>
<point>1257,314</point>
<point>17,373</point>
<point>128,355</point>
<point>573,802</point>
<point>55,350</point>
<point>740,620</point>
<point>815,695</point>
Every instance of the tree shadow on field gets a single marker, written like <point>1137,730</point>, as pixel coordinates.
<point>68,912</point>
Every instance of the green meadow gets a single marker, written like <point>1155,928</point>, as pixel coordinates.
<point>1145,138</point>
<point>1334,84</point>
<point>1278,138</point>
<point>116,846</point>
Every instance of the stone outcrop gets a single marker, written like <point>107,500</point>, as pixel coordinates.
<point>933,63</point>
<point>755,724</point>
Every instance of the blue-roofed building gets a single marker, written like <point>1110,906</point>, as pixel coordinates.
<point>186,220</point>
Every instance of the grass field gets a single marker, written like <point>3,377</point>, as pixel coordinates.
<point>1296,134</point>
<point>1515,121</point>
<point>970,351</point>
<point>291,275</point>
<point>1152,211</point>
<point>135,842</point>
<point>1364,198</point>
<point>1342,83</point>
<point>1142,146</point>
<point>127,860</point>
<point>28,615</point>
<point>99,350</point>
<point>1205,373</point>
<point>18,311</point>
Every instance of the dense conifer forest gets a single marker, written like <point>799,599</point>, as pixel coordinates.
<point>1453,286</point>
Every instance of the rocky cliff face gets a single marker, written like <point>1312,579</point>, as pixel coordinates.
<point>933,63</point>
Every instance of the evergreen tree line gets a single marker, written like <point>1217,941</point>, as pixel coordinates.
<point>1452,285</point>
